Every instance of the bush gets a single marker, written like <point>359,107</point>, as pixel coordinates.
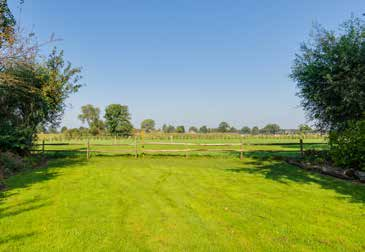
<point>348,146</point>
<point>10,163</point>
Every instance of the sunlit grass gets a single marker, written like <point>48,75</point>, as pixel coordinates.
<point>178,204</point>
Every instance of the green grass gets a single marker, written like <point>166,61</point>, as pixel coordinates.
<point>116,203</point>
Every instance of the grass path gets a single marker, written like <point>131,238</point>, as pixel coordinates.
<point>175,204</point>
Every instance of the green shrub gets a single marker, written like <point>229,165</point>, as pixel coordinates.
<point>10,163</point>
<point>348,146</point>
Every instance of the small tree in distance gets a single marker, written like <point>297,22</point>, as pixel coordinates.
<point>304,128</point>
<point>245,130</point>
<point>223,127</point>
<point>203,129</point>
<point>180,129</point>
<point>271,129</point>
<point>168,128</point>
<point>193,129</point>
<point>148,125</point>
<point>255,130</point>
<point>117,120</point>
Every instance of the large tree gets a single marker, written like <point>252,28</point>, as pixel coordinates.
<point>117,120</point>
<point>330,75</point>
<point>34,95</point>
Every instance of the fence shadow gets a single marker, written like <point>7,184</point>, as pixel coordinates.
<point>282,172</point>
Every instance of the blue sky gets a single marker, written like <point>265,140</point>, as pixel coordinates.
<point>186,62</point>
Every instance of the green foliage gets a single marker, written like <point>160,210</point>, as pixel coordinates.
<point>180,129</point>
<point>91,115</point>
<point>117,120</point>
<point>203,129</point>
<point>148,125</point>
<point>168,128</point>
<point>35,95</point>
<point>245,130</point>
<point>255,130</point>
<point>193,129</point>
<point>63,129</point>
<point>223,127</point>
<point>304,128</point>
<point>271,129</point>
<point>7,23</point>
<point>348,146</point>
<point>330,75</point>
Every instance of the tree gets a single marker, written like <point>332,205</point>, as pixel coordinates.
<point>271,129</point>
<point>148,125</point>
<point>168,128</point>
<point>203,129</point>
<point>63,129</point>
<point>7,23</point>
<point>223,127</point>
<point>193,129</point>
<point>117,120</point>
<point>34,95</point>
<point>304,128</point>
<point>245,130</point>
<point>52,130</point>
<point>180,129</point>
<point>255,130</point>
<point>89,114</point>
<point>330,74</point>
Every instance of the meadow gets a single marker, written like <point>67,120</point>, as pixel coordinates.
<point>210,201</point>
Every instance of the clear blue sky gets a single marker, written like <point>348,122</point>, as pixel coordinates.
<point>186,62</point>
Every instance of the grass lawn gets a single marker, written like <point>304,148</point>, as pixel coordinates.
<point>175,204</point>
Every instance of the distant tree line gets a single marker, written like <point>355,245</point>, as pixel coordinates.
<point>117,122</point>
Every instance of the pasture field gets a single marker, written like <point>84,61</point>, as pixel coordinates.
<point>119,203</point>
<point>207,201</point>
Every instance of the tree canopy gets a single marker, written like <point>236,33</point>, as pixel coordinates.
<point>148,125</point>
<point>271,128</point>
<point>330,75</point>
<point>34,95</point>
<point>117,120</point>
<point>223,127</point>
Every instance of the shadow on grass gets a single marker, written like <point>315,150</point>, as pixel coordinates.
<point>15,238</point>
<point>29,177</point>
<point>282,172</point>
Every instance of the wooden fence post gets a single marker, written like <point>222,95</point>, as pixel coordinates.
<point>301,147</point>
<point>135,145</point>
<point>88,149</point>
<point>43,148</point>
<point>142,141</point>
<point>241,149</point>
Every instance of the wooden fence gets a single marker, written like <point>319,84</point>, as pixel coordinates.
<point>135,151</point>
